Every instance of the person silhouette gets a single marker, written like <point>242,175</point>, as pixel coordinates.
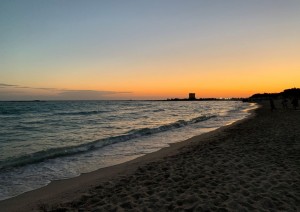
<point>284,103</point>
<point>295,103</point>
<point>272,104</point>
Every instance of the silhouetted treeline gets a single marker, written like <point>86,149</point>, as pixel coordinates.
<point>288,93</point>
<point>265,96</point>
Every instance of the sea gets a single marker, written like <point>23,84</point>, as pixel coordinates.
<point>45,141</point>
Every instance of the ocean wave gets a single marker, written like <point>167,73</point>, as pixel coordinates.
<point>238,108</point>
<point>4,111</point>
<point>73,150</point>
<point>82,113</point>
<point>159,110</point>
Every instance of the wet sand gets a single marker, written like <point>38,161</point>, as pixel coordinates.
<point>251,165</point>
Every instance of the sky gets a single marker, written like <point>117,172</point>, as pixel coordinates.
<point>147,49</point>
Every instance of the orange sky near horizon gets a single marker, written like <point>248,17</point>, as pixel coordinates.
<point>210,84</point>
<point>148,50</point>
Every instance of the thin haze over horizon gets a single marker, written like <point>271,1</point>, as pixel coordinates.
<point>147,49</point>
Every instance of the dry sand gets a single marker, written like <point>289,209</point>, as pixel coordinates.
<point>252,165</point>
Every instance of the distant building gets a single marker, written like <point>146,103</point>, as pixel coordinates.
<point>192,96</point>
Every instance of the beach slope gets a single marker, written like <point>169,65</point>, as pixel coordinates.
<point>250,165</point>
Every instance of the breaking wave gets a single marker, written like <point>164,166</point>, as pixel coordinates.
<point>73,150</point>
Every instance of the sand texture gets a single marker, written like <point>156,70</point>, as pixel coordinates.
<point>253,165</point>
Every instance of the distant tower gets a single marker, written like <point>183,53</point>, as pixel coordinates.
<point>192,96</point>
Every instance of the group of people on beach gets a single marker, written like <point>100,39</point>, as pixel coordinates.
<point>284,103</point>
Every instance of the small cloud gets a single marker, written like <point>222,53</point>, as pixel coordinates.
<point>26,87</point>
<point>47,89</point>
<point>86,94</point>
<point>57,94</point>
<point>22,87</point>
<point>7,85</point>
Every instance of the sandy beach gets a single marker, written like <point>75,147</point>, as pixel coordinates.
<point>251,165</point>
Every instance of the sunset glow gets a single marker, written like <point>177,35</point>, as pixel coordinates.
<point>154,50</point>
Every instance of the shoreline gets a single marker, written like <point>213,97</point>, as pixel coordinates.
<point>85,186</point>
<point>65,187</point>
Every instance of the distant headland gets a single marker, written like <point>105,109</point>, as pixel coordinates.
<point>287,93</point>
